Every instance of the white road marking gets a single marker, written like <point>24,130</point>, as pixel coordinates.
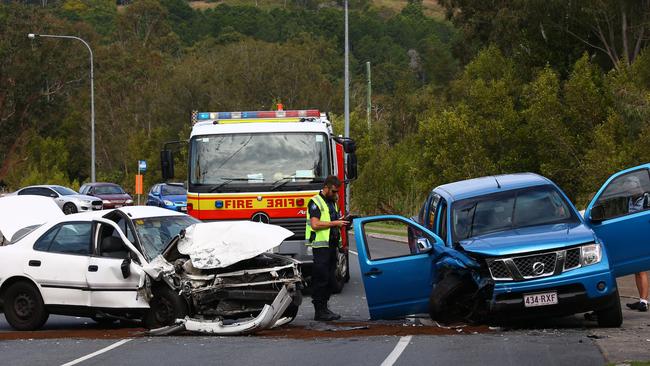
<point>397,351</point>
<point>103,350</point>
<point>353,252</point>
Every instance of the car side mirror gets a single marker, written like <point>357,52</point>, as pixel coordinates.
<point>53,195</point>
<point>597,213</point>
<point>126,267</point>
<point>423,245</point>
<point>646,201</point>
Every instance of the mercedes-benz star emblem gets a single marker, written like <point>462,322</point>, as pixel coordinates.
<point>538,268</point>
<point>261,217</point>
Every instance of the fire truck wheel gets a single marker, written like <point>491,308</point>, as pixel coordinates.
<point>342,272</point>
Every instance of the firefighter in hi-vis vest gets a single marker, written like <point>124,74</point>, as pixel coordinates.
<point>323,233</point>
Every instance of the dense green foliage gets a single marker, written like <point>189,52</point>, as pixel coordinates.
<point>501,87</point>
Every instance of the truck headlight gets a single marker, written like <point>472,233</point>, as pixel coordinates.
<point>168,203</point>
<point>590,254</point>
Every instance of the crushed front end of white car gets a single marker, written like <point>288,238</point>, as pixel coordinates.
<point>229,279</point>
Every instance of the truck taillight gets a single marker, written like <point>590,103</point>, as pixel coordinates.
<point>300,202</point>
<point>190,206</point>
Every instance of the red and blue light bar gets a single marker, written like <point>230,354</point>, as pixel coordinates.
<point>202,116</point>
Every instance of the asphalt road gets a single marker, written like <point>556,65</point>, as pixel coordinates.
<point>353,340</point>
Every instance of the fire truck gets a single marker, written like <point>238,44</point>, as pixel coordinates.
<point>265,166</point>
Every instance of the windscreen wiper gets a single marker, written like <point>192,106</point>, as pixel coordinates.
<point>284,180</point>
<point>226,181</point>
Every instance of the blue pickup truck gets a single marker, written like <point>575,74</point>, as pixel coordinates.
<point>507,247</point>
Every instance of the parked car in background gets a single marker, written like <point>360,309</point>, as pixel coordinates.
<point>68,200</point>
<point>172,196</point>
<point>146,263</point>
<point>507,247</point>
<point>111,194</point>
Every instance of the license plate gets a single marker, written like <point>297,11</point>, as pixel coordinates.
<point>99,207</point>
<point>118,206</point>
<point>542,299</point>
<point>183,208</point>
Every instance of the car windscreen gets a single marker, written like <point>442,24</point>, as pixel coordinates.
<point>258,158</point>
<point>173,190</point>
<point>109,190</point>
<point>510,210</point>
<point>64,191</point>
<point>155,232</point>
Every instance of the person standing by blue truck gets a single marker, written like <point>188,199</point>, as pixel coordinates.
<point>323,234</point>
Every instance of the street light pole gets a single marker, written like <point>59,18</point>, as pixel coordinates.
<point>92,96</point>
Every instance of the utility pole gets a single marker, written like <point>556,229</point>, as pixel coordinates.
<point>369,101</point>
<point>347,100</point>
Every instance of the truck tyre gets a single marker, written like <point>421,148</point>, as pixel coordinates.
<point>342,272</point>
<point>23,307</point>
<point>164,308</point>
<point>611,317</point>
<point>451,299</point>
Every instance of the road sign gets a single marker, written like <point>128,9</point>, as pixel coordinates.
<point>142,166</point>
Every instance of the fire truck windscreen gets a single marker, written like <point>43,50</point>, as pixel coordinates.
<point>251,158</point>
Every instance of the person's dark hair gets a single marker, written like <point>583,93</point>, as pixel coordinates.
<point>332,181</point>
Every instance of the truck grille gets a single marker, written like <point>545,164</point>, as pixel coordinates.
<point>572,259</point>
<point>534,266</point>
<point>531,267</point>
<point>297,226</point>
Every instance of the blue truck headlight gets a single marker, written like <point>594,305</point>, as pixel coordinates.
<point>168,203</point>
<point>590,254</point>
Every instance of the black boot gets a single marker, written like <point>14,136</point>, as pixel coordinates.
<point>333,314</point>
<point>322,314</point>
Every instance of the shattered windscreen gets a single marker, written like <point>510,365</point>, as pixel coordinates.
<point>510,210</point>
<point>156,232</point>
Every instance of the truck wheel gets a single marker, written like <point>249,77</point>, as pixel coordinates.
<point>451,299</point>
<point>342,272</point>
<point>611,317</point>
<point>23,307</point>
<point>164,308</point>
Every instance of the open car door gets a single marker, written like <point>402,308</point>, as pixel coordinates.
<point>396,265</point>
<point>620,216</point>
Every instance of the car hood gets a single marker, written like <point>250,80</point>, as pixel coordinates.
<point>112,197</point>
<point>175,198</point>
<point>220,244</point>
<point>82,197</point>
<point>17,212</point>
<point>529,239</point>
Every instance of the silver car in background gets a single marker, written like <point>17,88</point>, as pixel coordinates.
<point>68,200</point>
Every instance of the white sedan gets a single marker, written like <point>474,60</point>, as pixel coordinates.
<point>142,263</point>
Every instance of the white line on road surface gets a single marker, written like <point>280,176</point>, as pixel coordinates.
<point>397,351</point>
<point>106,349</point>
<point>353,252</point>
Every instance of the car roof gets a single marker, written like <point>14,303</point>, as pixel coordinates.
<point>96,184</point>
<point>491,184</point>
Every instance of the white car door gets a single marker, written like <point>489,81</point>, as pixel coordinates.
<point>59,263</point>
<point>113,278</point>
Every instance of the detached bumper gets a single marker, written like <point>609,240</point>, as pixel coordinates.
<point>269,317</point>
